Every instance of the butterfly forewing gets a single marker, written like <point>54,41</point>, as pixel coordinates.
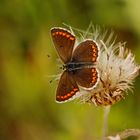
<point>67,88</point>
<point>86,77</point>
<point>64,43</point>
<point>86,52</point>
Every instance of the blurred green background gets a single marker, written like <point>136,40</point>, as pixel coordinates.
<point>27,107</point>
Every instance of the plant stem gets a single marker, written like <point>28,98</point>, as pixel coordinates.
<point>105,120</point>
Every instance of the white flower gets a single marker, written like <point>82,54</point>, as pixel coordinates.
<point>116,66</point>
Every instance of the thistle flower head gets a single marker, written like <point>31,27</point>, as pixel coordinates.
<point>116,66</point>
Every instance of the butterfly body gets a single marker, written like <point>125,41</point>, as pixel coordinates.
<point>72,66</point>
<point>79,64</point>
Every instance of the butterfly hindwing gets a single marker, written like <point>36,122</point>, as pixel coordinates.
<point>67,88</point>
<point>86,52</point>
<point>86,77</point>
<point>63,42</point>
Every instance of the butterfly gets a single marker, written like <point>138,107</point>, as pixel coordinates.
<point>79,64</point>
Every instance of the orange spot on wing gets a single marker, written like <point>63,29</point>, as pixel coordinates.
<point>67,35</point>
<point>53,34</point>
<point>94,53</point>
<point>94,59</point>
<point>60,33</point>
<point>94,74</point>
<point>94,49</point>
<point>69,94</point>
<point>93,70</point>
<point>75,89</point>
<point>94,80</point>
<point>62,97</point>
<point>65,96</point>
<point>72,92</point>
<point>71,38</point>
<point>63,34</point>
<point>58,96</point>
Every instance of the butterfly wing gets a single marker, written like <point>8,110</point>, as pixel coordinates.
<point>67,88</point>
<point>86,52</point>
<point>63,42</point>
<point>86,77</point>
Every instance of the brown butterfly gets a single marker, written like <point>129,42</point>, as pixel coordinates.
<point>79,64</point>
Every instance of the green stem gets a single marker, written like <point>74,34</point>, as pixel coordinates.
<point>105,120</point>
